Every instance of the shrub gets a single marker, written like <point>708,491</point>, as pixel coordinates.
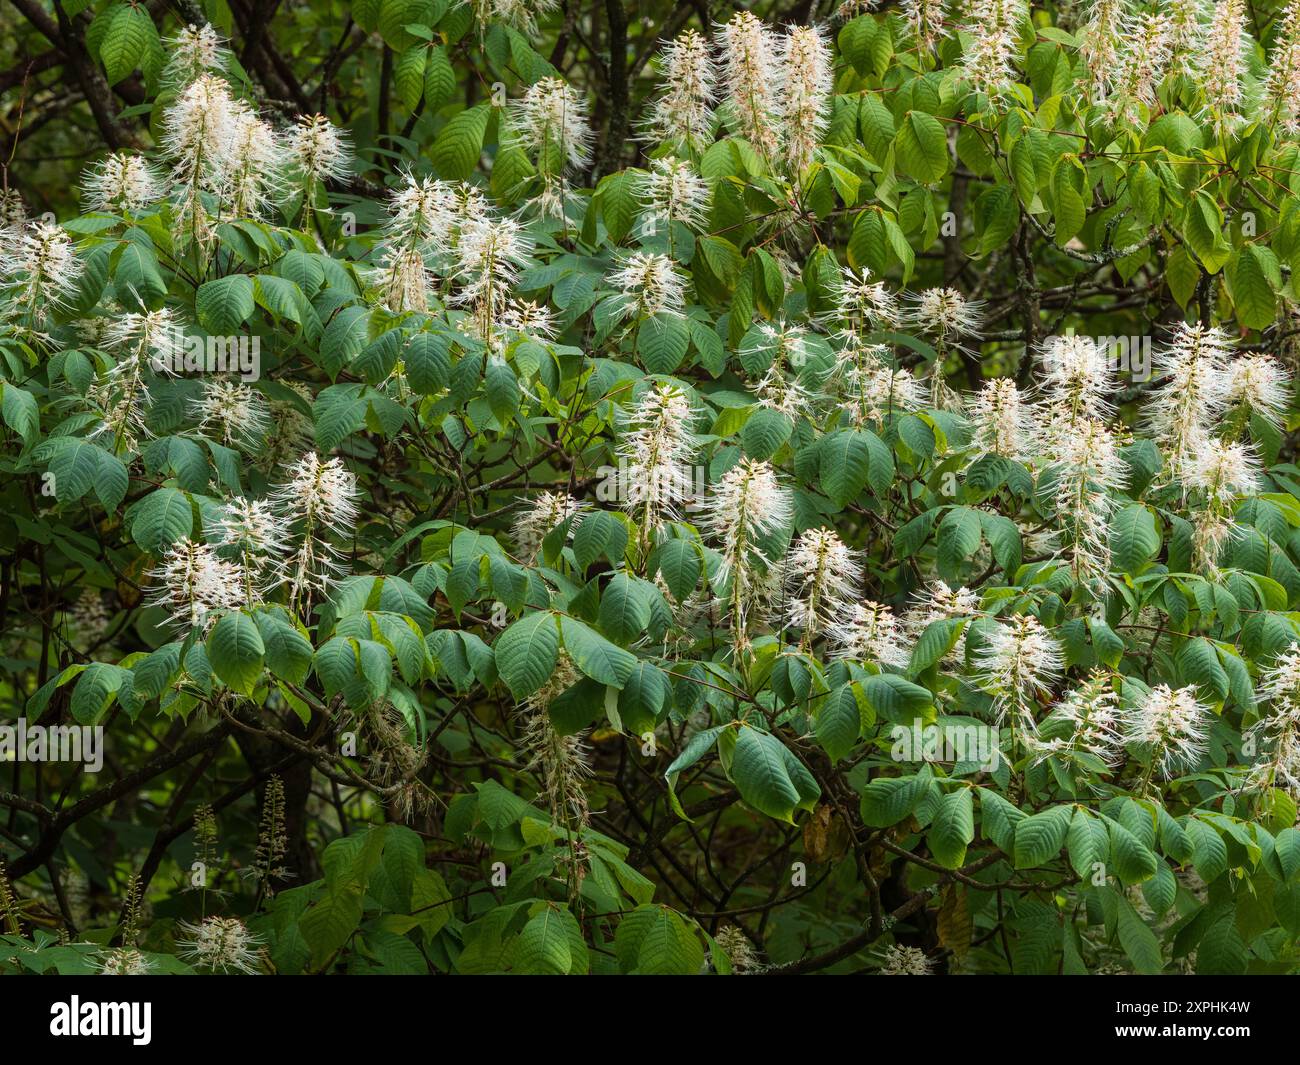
<point>859,533</point>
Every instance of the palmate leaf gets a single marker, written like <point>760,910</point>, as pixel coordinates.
<point>769,777</point>
<point>455,407</point>
<point>594,655</point>
<point>237,651</point>
<point>225,303</point>
<point>1040,837</point>
<point>653,940</point>
<point>527,651</point>
<point>952,829</point>
<point>456,149</point>
<point>845,464</point>
<point>922,146</point>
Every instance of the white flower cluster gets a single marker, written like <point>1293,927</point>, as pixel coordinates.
<point>1018,662</point>
<point>540,517</point>
<point>989,64</point>
<point>550,120</point>
<point>38,270</point>
<point>1166,728</point>
<point>220,944</point>
<point>258,545</point>
<point>1201,403</point>
<point>655,451</point>
<point>522,15</point>
<point>446,231</point>
<point>774,90</point>
<point>225,160</point>
<point>746,509</point>
<point>1276,736</point>
<point>140,342</point>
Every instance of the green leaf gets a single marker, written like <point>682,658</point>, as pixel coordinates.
<point>1130,859</point>
<point>922,147</point>
<point>618,204</point>
<point>1199,664</point>
<point>1161,890</point>
<point>1181,275</point>
<point>1221,951</point>
<point>1003,536</point>
<point>769,777</point>
<point>952,829</point>
<point>887,800</point>
<point>1138,941</point>
<point>126,41</point>
<point>895,698</point>
<point>95,691</point>
<point>1040,837</point>
<point>1068,209</point>
<point>457,148</point>
<point>161,518</point>
<point>625,608</point>
<point>288,651</point>
<point>408,76</point>
<point>957,540</point>
<point>223,305</point>
<point>599,533</point>
<point>439,79</point>
<point>236,651</point>
<point>542,948</point>
<point>654,940</point>
<point>1203,231</point>
<point>527,651</point>
<point>501,387</point>
<point>999,819</point>
<point>1134,540</point>
<point>764,432</point>
<point>845,464</point>
<point>1209,852</point>
<point>137,280</point>
<point>20,411</point>
<point>696,748</point>
<point>996,217</point>
<point>1254,279</point>
<point>662,342</point>
<point>680,566</point>
<point>839,722</point>
<point>595,656</point>
<point>936,641</point>
<point>1086,842</point>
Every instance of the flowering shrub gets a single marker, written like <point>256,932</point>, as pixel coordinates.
<point>821,498</point>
